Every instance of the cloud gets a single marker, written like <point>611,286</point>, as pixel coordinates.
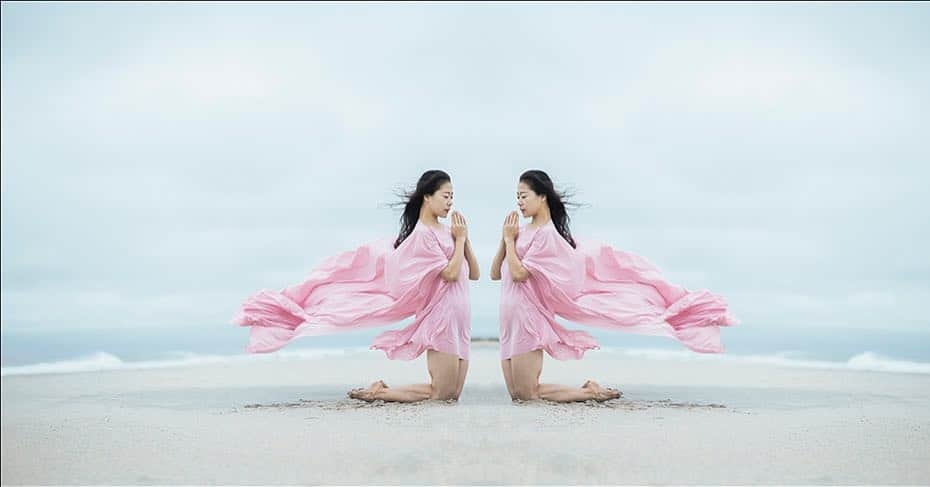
<point>161,163</point>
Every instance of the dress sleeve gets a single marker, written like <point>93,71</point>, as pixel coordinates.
<point>415,266</point>
<point>624,291</point>
<point>555,268</point>
<point>373,285</point>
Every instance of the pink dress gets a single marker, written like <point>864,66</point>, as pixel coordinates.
<point>596,285</point>
<point>372,285</point>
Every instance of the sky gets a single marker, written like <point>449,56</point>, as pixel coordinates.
<point>162,161</point>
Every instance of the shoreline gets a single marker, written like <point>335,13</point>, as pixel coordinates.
<point>275,422</point>
<point>104,361</point>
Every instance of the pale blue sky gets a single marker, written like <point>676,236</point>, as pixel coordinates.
<point>162,161</point>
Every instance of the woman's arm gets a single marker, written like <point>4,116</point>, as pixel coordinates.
<point>474,272</point>
<point>460,234</point>
<point>517,272</point>
<point>498,260</point>
<point>451,272</point>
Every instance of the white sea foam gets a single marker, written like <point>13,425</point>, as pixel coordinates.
<point>107,361</point>
<point>869,361</point>
<point>100,361</point>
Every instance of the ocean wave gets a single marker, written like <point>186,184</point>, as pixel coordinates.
<point>865,361</point>
<point>101,361</point>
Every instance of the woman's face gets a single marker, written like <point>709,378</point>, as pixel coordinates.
<point>440,202</point>
<point>528,201</point>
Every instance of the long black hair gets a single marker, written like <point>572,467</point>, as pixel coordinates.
<point>412,201</point>
<point>541,184</point>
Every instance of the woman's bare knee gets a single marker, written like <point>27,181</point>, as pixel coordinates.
<point>444,392</point>
<point>525,370</point>
<point>444,372</point>
<point>525,391</point>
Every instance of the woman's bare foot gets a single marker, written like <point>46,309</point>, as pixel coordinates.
<point>601,393</point>
<point>368,394</point>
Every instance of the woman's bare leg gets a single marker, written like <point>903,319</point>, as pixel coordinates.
<point>508,377</point>
<point>589,391</point>
<point>444,374</point>
<point>447,375</point>
<point>526,369</point>
<point>378,390</point>
<point>463,371</point>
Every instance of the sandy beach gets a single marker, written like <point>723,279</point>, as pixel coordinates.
<point>289,421</point>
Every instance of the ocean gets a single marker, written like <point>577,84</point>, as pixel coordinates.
<point>39,351</point>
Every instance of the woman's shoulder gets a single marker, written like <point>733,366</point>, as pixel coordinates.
<point>419,233</point>
<point>424,235</point>
<point>549,227</point>
<point>548,234</point>
<point>435,230</point>
<point>546,230</point>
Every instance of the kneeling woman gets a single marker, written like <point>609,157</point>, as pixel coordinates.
<point>423,272</point>
<point>546,273</point>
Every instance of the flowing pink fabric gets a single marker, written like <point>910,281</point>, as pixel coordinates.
<point>372,285</point>
<point>596,285</point>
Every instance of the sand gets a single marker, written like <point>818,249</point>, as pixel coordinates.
<point>289,421</point>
